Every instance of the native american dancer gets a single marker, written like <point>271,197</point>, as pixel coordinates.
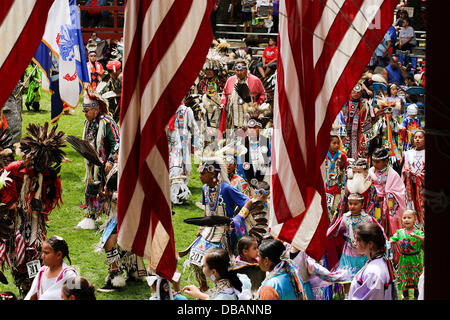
<point>95,70</point>
<point>241,90</point>
<point>30,196</point>
<point>391,193</point>
<point>183,133</point>
<point>349,258</point>
<point>409,126</point>
<point>34,76</point>
<point>413,175</point>
<point>6,216</point>
<point>336,163</point>
<point>118,260</point>
<point>360,182</point>
<point>221,227</point>
<point>101,131</point>
<point>112,91</point>
<point>236,180</point>
<point>254,158</point>
<point>387,133</point>
<point>358,116</point>
<point>210,85</point>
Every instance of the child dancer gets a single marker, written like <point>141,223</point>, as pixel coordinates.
<point>247,262</point>
<point>248,251</point>
<point>413,175</point>
<point>410,125</point>
<point>350,259</point>
<point>335,163</point>
<point>390,191</point>
<point>51,277</point>
<point>375,281</point>
<point>410,267</point>
<point>78,288</point>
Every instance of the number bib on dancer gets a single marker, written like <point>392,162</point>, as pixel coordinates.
<point>199,250</point>
<point>33,268</point>
<point>330,199</point>
<point>368,131</point>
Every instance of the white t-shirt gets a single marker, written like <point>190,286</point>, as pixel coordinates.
<point>50,288</point>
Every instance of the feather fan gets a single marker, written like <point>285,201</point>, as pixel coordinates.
<point>85,149</point>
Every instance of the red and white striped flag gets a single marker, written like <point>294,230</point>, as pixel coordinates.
<point>165,46</point>
<point>22,24</point>
<point>3,255</point>
<point>324,47</point>
<point>19,250</point>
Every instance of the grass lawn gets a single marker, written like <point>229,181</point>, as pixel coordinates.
<point>81,242</point>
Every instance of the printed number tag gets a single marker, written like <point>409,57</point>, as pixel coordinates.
<point>33,268</point>
<point>196,256</point>
<point>369,132</point>
<point>330,199</point>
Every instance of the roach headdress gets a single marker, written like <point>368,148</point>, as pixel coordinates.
<point>43,146</point>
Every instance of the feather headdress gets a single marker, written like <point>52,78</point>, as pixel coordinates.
<point>215,155</point>
<point>240,54</point>
<point>43,146</point>
<point>91,46</point>
<point>96,96</point>
<point>6,154</point>
<point>221,45</point>
<point>384,103</point>
<point>215,61</point>
<point>261,113</point>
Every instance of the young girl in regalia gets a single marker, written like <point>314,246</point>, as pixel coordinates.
<point>410,240</point>
<point>413,174</point>
<point>375,280</point>
<point>335,165</point>
<point>410,125</point>
<point>391,193</point>
<point>350,259</point>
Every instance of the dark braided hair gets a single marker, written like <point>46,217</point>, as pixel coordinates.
<point>59,244</point>
<point>219,260</point>
<point>244,243</point>
<point>371,232</point>
<point>272,249</point>
<point>80,288</point>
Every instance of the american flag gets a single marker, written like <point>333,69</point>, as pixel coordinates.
<point>324,47</point>
<point>22,24</point>
<point>165,46</point>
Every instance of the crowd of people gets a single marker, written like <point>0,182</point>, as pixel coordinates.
<point>374,180</point>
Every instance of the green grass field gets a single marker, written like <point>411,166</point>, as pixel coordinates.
<point>81,242</point>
